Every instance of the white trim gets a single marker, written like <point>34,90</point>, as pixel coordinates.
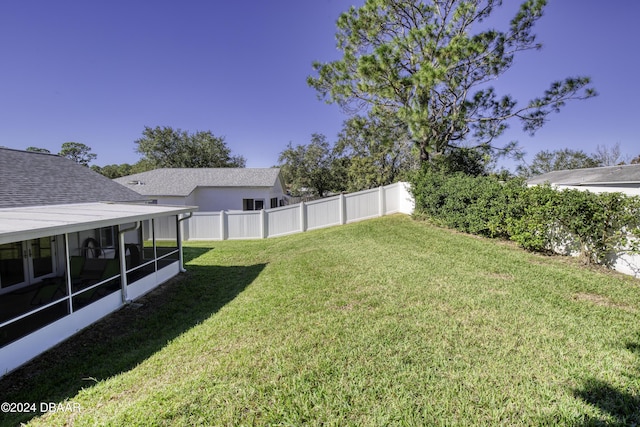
<point>592,189</point>
<point>150,282</point>
<point>32,222</point>
<point>28,347</point>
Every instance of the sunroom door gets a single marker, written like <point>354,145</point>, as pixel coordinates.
<point>40,258</point>
<point>23,263</point>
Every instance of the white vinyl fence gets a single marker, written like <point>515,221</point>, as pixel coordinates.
<point>337,210</point>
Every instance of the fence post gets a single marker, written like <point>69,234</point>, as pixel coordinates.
<point>303,217</point>
<point>223,225</point>
<point>343,209</point>
<point>264,225</point>
<point>381,201</point>
<point>407,202</point>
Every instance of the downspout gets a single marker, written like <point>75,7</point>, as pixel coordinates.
<point>182,269</point>
<point>123,261</point>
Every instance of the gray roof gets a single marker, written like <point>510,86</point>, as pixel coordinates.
<point>182,181</point>
<point>621,175</point>
<point>34,179</point>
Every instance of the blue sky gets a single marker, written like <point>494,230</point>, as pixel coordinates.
<point>98,72</point>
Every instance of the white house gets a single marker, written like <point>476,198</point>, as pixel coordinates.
<point>623,178</point>
<point>211,189</point>
<point>74,247</point>
<point>609,179</point>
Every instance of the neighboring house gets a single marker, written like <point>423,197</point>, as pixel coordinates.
<point>74,247</point>
<point>620,177</point>
<point>211,189</point>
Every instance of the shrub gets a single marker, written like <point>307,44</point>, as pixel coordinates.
<point>530,218</point>
<point>601,223</point>
<point>538,218</point>
<point>477,205</point>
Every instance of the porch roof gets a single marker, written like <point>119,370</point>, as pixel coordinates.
<point>31,222</point>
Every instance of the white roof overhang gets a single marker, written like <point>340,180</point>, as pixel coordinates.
<point>32,222</point>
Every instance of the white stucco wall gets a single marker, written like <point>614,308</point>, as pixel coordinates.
<point>177,201</point>
<point>216,199</point>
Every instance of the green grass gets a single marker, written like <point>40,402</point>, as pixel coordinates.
<point>383,322</point>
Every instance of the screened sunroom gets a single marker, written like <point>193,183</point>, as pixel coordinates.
<point>62,267</point>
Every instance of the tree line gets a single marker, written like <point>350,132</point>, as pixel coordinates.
<point>367,154</point>
<point>160,147</point>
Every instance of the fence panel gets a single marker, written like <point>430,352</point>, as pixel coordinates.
<point>284,220</point>
<point>165,228</point>
<point>205,226</point>
<point>323,213</point>
<point>244,224</point>
<point>392,194</point>
<point>363,204</point>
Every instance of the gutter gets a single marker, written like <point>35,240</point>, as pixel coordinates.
<point>591,183</point>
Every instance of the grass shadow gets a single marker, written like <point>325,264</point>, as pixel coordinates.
<point>622,406</point>
<point>127,337</point>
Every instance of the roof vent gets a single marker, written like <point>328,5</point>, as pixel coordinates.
<point>135,183</point>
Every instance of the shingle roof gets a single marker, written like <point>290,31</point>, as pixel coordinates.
<point>611,175</point>
<point>182,181</point>
<point>34,179</point>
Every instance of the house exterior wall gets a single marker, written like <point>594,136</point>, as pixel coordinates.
<point>626,263</point>
<point>173,200</point>
<point>215,199</point>
<point>210,199</point>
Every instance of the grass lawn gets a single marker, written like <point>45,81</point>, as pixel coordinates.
<point>383,322</point>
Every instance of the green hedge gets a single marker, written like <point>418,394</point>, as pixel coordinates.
<point>538,218</point>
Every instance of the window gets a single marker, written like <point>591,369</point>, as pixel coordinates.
<point>107,237</point>
<point>11,264</point>
<point>252,204</point>
<point>274,202</point>
<point>41,257</point>
<point>23,263</point>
